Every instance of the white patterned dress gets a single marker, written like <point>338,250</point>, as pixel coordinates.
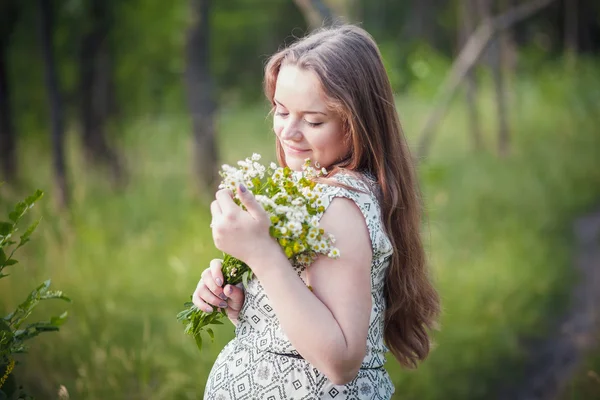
<point>260,362</point>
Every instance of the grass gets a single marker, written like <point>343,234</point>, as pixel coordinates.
<point>497,232</point>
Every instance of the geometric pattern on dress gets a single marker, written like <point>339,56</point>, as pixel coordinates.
<point>261,363</point>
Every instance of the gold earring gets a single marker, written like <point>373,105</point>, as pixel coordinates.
<point>317,165</point>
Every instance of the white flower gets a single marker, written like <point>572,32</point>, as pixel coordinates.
<point>294,227</point>
<point>333,253</point>
<point>281,210</point>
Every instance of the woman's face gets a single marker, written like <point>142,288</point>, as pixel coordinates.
<point>303,124</point>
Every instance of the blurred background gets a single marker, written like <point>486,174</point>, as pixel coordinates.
<point>123,111</point>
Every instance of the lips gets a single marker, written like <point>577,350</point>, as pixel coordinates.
<point>294,150</point>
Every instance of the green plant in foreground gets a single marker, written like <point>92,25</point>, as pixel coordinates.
<point>13,332</point>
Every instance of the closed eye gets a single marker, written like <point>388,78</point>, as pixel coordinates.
<point>314,124</point>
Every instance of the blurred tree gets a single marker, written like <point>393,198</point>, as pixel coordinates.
<point>467,21</point>
<point>237,58</point>
<point>96,88</point>
<point>316,13</point>
<point>422,23</point>
<point>467,58</point>
<point>9,11</point>
<point>200,93</point>
<point>344,9</point>
<point>571,36</point>
<point>46,34</point>
<point>495,60</point>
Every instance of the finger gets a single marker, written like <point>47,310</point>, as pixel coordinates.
<point>249,201</point>
<point>217,274</point>
<point>236,297</point>
<point>225,200</point>
<point>201,304</point>
<point>208,281</point>
<point>204,294</point>
<point>215,209</point>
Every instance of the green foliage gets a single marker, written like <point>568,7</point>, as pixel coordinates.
<point>497,233</point>
<point>13,332</point>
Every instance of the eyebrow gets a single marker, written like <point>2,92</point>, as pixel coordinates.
<point>304,112</point>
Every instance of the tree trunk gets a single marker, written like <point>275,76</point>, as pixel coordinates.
<point>468,56</point>
<point>345,8</point>
<point>496,61</point>
<point>54,100</point>
<point>316,13</point>
<point>199,86</point>
<point>467,26</point>
<point>7,132</point>
<point>500,94</point>
<point>421,23</point>
<point>571,33</point>
<point>8,156</point>
<point>324,11</point>
<point>95,85</point>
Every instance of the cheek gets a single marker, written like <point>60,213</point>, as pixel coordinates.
<point>334,143</point>
<point>277,126</point>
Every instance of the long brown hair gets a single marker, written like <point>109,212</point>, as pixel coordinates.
<point>350,68</point>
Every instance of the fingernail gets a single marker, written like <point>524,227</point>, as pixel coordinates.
<point>208,309</point>
<point>223,304</point>
<point>219,281</point>
<point>223,296</point>
<point>229,290</point>
<point>242,188</point>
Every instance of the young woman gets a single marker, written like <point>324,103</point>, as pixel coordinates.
<point>332,103</point>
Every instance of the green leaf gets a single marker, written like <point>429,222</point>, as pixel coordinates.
<point>34,330</point>
<point>28,232</point>
<point>18,212</point>
<point>2,257</point>
<point>245,279</point>
<point>61,319</point>
<point>25,308</point>
<point>30,201</point>
<point>57,294</point>
<point>13,216</point>
<point>198,341</point>
<point>210,333</point>
<point>5,228</point>
<point>6,333</point>
<point>12,261</point>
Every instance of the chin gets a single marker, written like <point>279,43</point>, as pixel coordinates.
<point>294,163</point>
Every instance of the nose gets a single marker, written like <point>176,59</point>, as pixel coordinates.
<point>290,130</point>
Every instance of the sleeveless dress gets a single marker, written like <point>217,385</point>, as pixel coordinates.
<point>260,362</point>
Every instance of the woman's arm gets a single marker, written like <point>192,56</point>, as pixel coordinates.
<point>329,326</point>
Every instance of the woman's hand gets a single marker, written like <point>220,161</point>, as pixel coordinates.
<point>239,233</point>
<point>210,291</point>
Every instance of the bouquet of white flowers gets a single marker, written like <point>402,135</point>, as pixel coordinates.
<point>294,204</point>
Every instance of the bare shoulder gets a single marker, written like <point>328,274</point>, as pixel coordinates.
<point>344,220</point>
